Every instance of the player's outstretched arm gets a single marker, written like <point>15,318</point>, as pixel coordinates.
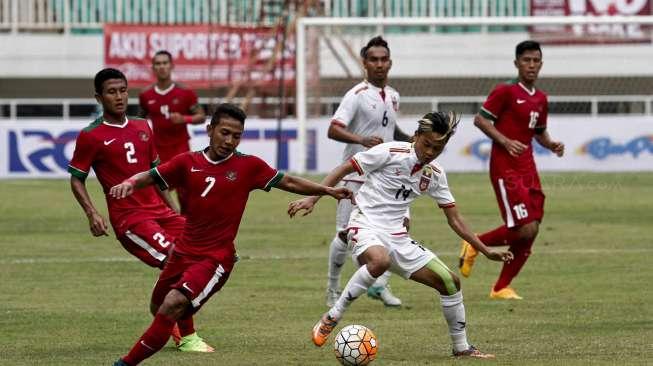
<point>330,180</point>
<point>544,139</point>
<point>124,189</point>
<point>514,147</point>
<point>96,222</point>
<point>458,224</point>
<point>339,133</point>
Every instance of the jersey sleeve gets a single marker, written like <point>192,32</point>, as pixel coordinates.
<point>264,176</point>
<point>153,155</point>
<point>346,110</point>
<point>495,103</point>
<point>440,192</point>
<point>542,120</point>
<point>83,157</point>
<point>371,160</point>
<point>192,100</point>
<point>171,173</point>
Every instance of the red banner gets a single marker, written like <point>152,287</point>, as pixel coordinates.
<point>204,56</point>
<point>590,33</point>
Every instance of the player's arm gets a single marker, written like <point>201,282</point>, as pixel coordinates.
<point>167,198</point>
<point>339,133</point>
<point>127,187</point>
<point>330,180</point>
<point>96,222</point>
<point>458,225</point>
<point>514,147</point>
<point>543,138</point>
<point>196,116</point>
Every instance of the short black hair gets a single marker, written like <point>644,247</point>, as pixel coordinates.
<point>528,45</point>
<point>377,41</point>
<point>162,52</point>
<point>104,75</point>
<point>228,110</point>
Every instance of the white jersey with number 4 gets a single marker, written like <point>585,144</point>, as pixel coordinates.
<point>393,180</point>
<point>362,111</point>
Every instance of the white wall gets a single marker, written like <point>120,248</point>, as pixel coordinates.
<point>414,55</point>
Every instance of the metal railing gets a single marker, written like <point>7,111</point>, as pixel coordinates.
<point>89,15</point>
<point>591,105</point>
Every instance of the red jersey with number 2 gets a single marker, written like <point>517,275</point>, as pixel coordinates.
<point>516,112</point>
<point>217,194</point>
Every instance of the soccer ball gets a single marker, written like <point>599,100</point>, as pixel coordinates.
<point>355,345</point>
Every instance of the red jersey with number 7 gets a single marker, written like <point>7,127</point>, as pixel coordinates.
<point>517,112</point>
<point>117,152</point>
<point>159,105</point>
<point>217,193</point>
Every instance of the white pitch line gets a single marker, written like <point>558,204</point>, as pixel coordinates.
<point>281,257</point>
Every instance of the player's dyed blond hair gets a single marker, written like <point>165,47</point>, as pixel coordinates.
<point>444,123</point>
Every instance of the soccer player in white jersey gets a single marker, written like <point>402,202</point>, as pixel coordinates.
<point>366,117</point>
<point>397,173</point>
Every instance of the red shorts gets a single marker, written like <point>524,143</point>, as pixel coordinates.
<point>151,240</point>
<point>198,278</point>
<point>520,198</point>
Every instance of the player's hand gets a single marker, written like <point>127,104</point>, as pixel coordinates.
<point>339,193</point>
<point>369,141</point>
<point>122,190</point>
<point>500,256</point>
<point>557,147</point>
<point>177,118</point>
<point>407,223</point>
<point>98,225</point>
<point>514,147</point>
<point>306,203</point>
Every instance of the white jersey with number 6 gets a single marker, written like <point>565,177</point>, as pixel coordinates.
<point>393,180</point>
<point>362,111</point>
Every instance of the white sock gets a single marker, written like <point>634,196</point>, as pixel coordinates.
<point>357,285</point>
<point>337,254</point>
<point>383,279</point>
<point>454,312</point>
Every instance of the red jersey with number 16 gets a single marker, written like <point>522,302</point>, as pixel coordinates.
<point>516,112</point>
<point>117,152</point>
<point>217,193</point>
<point>159,105</point>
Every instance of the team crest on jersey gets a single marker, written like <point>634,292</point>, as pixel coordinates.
<point>231,175</point>
<point>395,104</point>
<point>424,181</point>
<point>143,136</point>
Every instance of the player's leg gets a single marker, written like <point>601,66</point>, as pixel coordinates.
<point>374,260</point>
<point>148,242</point>
<point>421,265</point>
<point>527,201</point>
<point>338,246</point>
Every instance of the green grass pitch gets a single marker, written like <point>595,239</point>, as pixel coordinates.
<point>67,298</point>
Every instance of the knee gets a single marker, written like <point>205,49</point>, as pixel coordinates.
<point>378,265</point>
<point>174,305</point>
<point>154,308</point>
<point>528,231</point>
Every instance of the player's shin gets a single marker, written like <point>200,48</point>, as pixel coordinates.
<point>454,312</point>
<point>337,255</point>
<point>357,285</point>
<point>154,338</point>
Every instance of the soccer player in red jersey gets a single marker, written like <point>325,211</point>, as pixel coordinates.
<point>116,147</point>
<point>170,107</point>
<point>512,115</point>
<point>218,181</point>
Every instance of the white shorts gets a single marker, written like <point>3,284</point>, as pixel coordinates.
<point>406,255</point>
<point>344,206</point>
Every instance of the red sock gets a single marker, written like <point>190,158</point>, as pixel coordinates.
<point>499,237</point>
<point>186,326</point>
<point>521,250</point>
<point>154,338</point>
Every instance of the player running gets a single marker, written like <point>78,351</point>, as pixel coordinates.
<point>218,181</point>
<point>397,173</point>
<point>512,115</point>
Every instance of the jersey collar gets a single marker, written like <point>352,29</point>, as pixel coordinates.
<point>164,91</point>
<point>123,125</point>
<point>373,87</point>
<point>529,91</point>
<point>215,162</point>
